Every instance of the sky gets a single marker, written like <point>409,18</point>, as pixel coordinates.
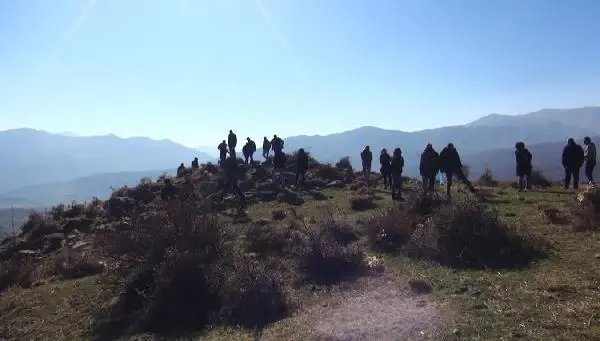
<point>190,70</point>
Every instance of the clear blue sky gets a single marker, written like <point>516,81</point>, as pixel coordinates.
<point>189,70</point>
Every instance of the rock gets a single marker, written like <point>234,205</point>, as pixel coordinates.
<point>461,290</point>
<point>266,186</point>
<point>289,197</point>
<point>421,304</point>
<point>455,331</point>
<point>335,184</point>
<point>318,195</point>
<point>80,223</point>
<point>246,185</point>
<point>419,286</point>
<point>79,245</point>
<point>123,224</point>
<point>119,207</point>
<point>597,256</point>
<point>53,242</point>
<point>27,252</point>
<point>207,188</point>
<point>142,193</point>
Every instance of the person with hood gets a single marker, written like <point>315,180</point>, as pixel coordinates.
<point>195,163</point>
<point>524,166</point>
<point>385,160</point>
<point>232,171</point>
<point>180,170</point>
<point>222,152</point>
<point>590,159</point>
<point>366,157</point>
<point>277,144</point>
<point>301,166</point>
<point>428,167</point>
<point>573,157</point>
<point>232,142</point>
<point>449,162</point>
<point>396,170</point>
<point>266,147</point>
<point>248,150</point>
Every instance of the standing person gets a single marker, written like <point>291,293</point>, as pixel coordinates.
<point>573,157</point>
<point>524,166</point>
<point>195,163</point>
<point>301,167</point>
<point>428,167</point>
<point>232,142</point>
<point>396,170</point>
<point>251,148</point>
<point>385,160</point>
<point>277,145</point>
<point>367,160</point>
<point>590,159</point>
<point>232,172</point>
<point>222,152</point>
<point>266,147</point>
<point>450,164</point>
<point>279,160</point>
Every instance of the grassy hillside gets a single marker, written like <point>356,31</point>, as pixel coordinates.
<point>341,262</point>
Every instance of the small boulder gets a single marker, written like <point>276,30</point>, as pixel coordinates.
<point>419,286</point>
<point>80,223</point>
<point>53,242</point>
<point>119,207</point>
<point>318,195</point>
<point>335,184</point>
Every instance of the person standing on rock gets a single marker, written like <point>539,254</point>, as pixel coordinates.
<point>301,167</point>
<point>195,163</point>
<point>251,149</point>
<point>366,157</point>
<point>428,167</point>
<point>385,160</point>
<point>232,142</point>
<point>590,159</point>
<point>266,147</point>
<point>451,165</point>
<point>277,145</point>
<point>279,160</point>
<point>180,170</point>
<point>396,170</point>
<point>222,152</point>
<point>573,157</point>
<point>168,191</point>
<point>232,171</point>
<point>524,166</point>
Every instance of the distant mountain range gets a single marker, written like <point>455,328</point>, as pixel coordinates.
<point>30,157</point>
<point>41,169</point>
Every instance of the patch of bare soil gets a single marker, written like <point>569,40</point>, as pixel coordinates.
<point>381,309</point>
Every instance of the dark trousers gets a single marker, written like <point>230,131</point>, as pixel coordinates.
<point>572,172</point>
<point>428,182</point>
<point>233,185</point>
<point>300,174</point>
<point>223,157</point>
<point>248,157</point>
<point>589,170</point>
<point>397,185</point>
<point>232,152</point>
<point>461,176</point>
<point>387,178</point>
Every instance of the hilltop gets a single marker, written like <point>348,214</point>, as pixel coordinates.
<point>332,260</point>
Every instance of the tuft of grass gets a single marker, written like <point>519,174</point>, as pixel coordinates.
<point>362,202</point>
<point>586,210</point>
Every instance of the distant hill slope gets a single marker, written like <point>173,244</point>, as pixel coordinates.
<point>31,157</point>
<point>13,217</point>
<point>81,189</point>
<point>586,118</point>
<point>546,157</point>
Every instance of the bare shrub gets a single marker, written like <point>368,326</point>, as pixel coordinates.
<point>469,234</point>
<point>586,210</point>
<point>278,214</point>
<point>362,202</point>
<point>538,179</point>
<point>268,240</point>
<point>487,179</point>
<point>344,163</point>
<point>389,230</point>
<point>327,172</point>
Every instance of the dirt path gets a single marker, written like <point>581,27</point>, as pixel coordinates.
<point>381,309</point>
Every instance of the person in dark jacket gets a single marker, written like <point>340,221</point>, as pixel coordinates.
<point>524,166</point>
<point>279,160</point>
<point>366,157</point>
<point>266,147</point>
<point>573,157</point>
<point>180,170</point>
<point>428,167</point>
<point>385,160</point>
<point>222,152</point>
<point>302,166</point>
<point>590,159</point>
<point>195,163</point>
<point>450,164</point>
<point>232,142</point>
<point>169,191</point>
<point>277,145</point>
<point>396,170</point>
<point>251,148</point>
<point>232,171</point>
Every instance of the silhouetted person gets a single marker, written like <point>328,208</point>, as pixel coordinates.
<point>385,160</point>
<point>232,143</point>
<point>232,171</point>
<point>266,147</point>
<point>396,169</point>
<point>195,163</point>
<point>590,159</point>
<point>428,167</point>
<point>451,165</point>
<point>524,166</point>
<point>222,152</point>
<point>573,157</point>
<point>277,144</point>
<point>168,191</point>
<point>180,170</point>
<point>279,160</point>
<point>248,150</point>
<point>302,166</point>
<point>366,156</point>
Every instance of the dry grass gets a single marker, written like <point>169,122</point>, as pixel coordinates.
<point>553,299</point>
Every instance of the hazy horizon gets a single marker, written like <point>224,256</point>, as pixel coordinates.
<point>183,69</point>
